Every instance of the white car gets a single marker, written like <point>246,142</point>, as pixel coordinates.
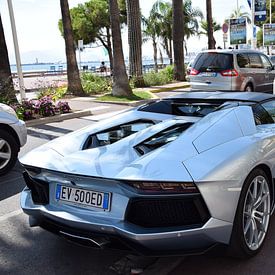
<point>13,135</point>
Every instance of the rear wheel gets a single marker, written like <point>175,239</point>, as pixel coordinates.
<point>252,216</point>
<point>8,152</point>
<point>248,88</point>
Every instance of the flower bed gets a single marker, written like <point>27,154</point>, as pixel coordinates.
<point>43,107</point>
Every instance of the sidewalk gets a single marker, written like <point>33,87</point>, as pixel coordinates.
<point>86,106</point>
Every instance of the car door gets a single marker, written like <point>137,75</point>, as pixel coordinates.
<point>258,72</point>
<point>269,72</point>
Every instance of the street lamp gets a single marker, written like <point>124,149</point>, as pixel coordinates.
<point>17,53</point>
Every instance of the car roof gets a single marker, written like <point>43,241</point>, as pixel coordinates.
<point>211,96</point>
<point>233,51</point>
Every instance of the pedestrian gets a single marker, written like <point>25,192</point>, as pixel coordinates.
<point>102,67</point>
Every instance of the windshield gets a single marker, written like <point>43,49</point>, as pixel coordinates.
<point>213,62</point>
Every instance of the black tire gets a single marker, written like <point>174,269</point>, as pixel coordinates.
<point>248,88</point>
<point>10,148</point>
<point>247,213</point>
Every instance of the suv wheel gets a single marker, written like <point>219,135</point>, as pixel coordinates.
<point>248,88</point>
<point>8,152</point>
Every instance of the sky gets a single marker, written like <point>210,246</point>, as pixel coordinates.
<point>39,37</point>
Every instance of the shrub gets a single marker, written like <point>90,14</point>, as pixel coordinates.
<point>94,84</point>
<point>162,77</point>
<point>54,92</point>
<point>44,107</point>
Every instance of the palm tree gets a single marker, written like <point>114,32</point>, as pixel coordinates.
<point>7,93</point>
<point>237,13</point>
<point>135,41</point>
<point>204,26</point>
<point>177,8</point>
<point>151,32</point>
<point>74,82</point>
<point>121,85</point>
<point>211,40</point>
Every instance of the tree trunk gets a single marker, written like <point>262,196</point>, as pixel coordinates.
<point>177,8</point>
<point>155,55</point>
<point>161,57</point>
<point>7,92</point>
<point>109,49</point>
<point>210,32</point>
<point>74,82</point>
<point>135,41</point>
<point>121,85</point>
<point>170,54</point>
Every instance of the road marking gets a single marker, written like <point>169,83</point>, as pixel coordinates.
<point>10,215</point>
<point>103,116</point>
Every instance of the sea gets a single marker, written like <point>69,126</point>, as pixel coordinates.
<point>88,65</point>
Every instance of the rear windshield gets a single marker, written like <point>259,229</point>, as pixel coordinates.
<point>213,62</point>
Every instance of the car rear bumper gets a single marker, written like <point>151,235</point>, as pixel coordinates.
<point>105,232</point>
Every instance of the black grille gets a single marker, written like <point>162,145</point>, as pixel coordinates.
<point>39,189</point>
<point>167,212</point>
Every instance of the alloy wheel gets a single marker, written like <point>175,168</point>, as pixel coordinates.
<point>5,153</point>
<point>256,212</point>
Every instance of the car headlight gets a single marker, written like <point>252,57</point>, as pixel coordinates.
<point>7,109</point>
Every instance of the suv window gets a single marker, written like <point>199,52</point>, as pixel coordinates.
<point>243,60</point>
<point>267,64</point>
<point>213,62</point>
<point>255,61</point>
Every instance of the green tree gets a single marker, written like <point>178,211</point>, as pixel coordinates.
<point>204,27</point>
<point>135,41</point>
<point>163,18</point>
<point>179,70</point>
<point>210,32</point>
<point>121,85</point>
<point>151,32</point>
<point>74,82</point>
<point>91,23</point>
<point>7,93</point>
<point>238,12</point>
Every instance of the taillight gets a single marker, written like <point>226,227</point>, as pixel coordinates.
<point>230,73</point>
<point>164,187</point>
<point>194,72</point>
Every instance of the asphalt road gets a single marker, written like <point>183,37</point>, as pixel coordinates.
<point>25,250</point>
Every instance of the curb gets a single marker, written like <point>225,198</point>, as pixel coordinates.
<point>58,118</point>
<point>166,89</point>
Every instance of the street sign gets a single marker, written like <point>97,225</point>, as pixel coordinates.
<point>225,27</point>
<point>260,10</point>
<point>269,34</point>
<point>238,33</point>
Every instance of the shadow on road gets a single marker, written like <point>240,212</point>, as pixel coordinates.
<point>263,263</point>
<point>11,183</point>
<point>27,250</point>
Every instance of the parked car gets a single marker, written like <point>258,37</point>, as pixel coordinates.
<point>234,70</point>
<point>178,175</point>
<point>13,135</point>
<point>272,59</point>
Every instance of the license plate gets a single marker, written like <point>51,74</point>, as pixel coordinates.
<point>209,74</point>
<point>83,197</point>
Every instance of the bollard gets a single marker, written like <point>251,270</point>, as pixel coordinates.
<point>274,86</point>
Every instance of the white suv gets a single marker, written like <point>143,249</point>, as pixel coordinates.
<point>13,135</point>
